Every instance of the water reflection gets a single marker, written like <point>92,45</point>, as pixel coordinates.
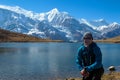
<point>32,61</point>
<point>6,50</point>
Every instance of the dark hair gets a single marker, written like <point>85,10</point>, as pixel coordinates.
<point>88,34</point>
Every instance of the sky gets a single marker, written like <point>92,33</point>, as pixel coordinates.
<point>87,9</point>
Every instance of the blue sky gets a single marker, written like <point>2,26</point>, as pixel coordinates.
<point>88,9</point>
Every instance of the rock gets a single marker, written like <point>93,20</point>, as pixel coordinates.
<point>111,68</point>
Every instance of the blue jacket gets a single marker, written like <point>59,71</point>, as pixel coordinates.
<point>84,60</point>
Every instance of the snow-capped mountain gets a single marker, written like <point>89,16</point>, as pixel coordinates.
<point>16,22</point>
<point>111,30</point>
<point>103,27</point>
<point>95,24</point>
<point>100,22</point>
<point>53,24</point>
<point>19,10</point>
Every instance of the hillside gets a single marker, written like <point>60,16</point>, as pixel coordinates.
<point>113,40</point>
<point>8,36</point>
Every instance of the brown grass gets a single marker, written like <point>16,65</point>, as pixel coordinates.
<point>8,36</point>
<point>112,76</point>
<point>110,40</point>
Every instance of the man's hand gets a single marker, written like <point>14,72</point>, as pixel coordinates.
<point>84,73</point>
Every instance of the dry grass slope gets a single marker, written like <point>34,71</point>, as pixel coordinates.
<point>8,36</point>
<point>111,40</point>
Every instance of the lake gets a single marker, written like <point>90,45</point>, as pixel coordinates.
<point>47,61</point>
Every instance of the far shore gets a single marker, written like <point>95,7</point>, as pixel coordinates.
<point>108,41</point>
<point>31,41</point>
<point>98,41</point>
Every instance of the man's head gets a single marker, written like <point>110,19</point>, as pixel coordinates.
<point>87,38</point>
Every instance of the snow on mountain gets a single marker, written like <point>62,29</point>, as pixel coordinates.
<point>65,23</point>
<point>18,10</point>
<point>51,14</point>
<point>53,24</point>
<point>16,22</point>
<point>112,30</point>
<point>95,24</point>
<point>100,22</point>
<point>55,17</point>
<point>101,28</point>
<point>38,16</point>
<point>110,27</point>
<point>84,21</point>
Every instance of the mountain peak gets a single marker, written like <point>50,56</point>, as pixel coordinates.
<point>20,10</point>
<point>53,11</point>
<point>15,8</point>
<point>99,20</point>
<point>114,24</point>
<point>51,14</point>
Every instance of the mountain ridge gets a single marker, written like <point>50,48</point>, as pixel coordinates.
<point>54,24</point>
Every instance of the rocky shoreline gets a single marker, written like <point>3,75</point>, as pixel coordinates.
<point>111,75</point>
<point>107,76</point>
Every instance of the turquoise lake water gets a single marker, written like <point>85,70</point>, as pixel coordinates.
<point>43,61</point>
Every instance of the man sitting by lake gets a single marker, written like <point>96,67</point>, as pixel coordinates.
<point>89,59</point>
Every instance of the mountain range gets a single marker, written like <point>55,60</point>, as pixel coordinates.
<point>54,24</point>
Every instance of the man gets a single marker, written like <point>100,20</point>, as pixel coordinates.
<point>89,59</point>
